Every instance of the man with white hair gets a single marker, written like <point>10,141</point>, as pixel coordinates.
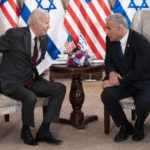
<point>23,49</point>
<point>127,74</point>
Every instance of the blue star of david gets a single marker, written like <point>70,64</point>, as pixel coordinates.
<point>133,5</point>
<point>48,8</point>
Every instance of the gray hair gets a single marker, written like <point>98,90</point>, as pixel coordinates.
<point>118,19</point>
<point>36,15</point>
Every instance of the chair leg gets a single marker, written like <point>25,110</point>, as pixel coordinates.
<point>6,117</point>
<point>133,114</point>
<point>106,121</point>
<point>44,110</point>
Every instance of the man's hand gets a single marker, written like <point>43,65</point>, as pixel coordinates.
<point>114,78</point>
<point>46,70</point>
<point>106,84</point>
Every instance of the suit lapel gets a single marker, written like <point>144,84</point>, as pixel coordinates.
<point>116,50</point>
<point>128,47</point>
<point>42,47</point>
<point>27,43</point>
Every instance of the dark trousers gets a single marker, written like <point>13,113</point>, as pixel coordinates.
<point>41,88</point>
<point>111,95</point>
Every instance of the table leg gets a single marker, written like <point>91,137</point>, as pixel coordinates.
<point>76,96</point>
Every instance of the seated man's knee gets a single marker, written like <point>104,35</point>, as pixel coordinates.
<point>61,88</point>
<point>106,95</point>
<point>30,99</point>
<point>143,105</point>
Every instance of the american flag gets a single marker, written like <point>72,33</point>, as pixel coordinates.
<point>9,13</point>
<point>69,44</point>
<point>88,18</point>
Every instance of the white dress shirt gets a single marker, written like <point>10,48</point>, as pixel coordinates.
<point>123,42</point>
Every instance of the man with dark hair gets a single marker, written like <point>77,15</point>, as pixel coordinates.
<point>127,74</point>
<point>23,49</point>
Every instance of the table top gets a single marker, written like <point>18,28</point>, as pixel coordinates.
<point>77,70</point>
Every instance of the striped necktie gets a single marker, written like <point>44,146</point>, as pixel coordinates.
<point>34,58</point>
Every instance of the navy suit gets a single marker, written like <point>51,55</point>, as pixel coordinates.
<point>16,69</point>
<point>134,67</point>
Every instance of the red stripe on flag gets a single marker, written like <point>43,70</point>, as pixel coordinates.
<point>7,15</point>
<point>89,41</point>
<point>14,7</point>
<point>105,8</point>
<point>90,23</point>
<point>95,12</point>
<point>73,34</point>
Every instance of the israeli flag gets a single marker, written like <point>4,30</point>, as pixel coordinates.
<point>128,7</point>
<point>82,42</point>
<point>57,33</point>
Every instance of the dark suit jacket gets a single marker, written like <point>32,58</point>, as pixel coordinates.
<point>16,67</point>
<point>135,65</point>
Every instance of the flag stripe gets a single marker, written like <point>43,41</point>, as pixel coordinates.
<point>7,15</point>
<point>90,23</point>
<point>52,49</point>
<point>105,8</point>
<point>74,36</point>
<point>25,13</point>
<point>7,25</point>
<point>14,7</point>
<point>99,19</point>
<point>89,41</point>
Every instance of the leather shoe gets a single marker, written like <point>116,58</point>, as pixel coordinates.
<point>27,137</point>
<point>138,132</point>
<point>124,133</point>
<point>47,137</point>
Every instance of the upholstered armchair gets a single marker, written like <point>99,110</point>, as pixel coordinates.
<point>141,24</point>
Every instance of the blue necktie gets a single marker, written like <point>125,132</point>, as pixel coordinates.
<point>120,50</point>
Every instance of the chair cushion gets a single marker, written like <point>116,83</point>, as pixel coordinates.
<point>127,103</point>
<point>9,105</point>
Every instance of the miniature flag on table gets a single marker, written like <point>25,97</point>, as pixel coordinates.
<point>87,17</point>
<point>69,44</point>
<point>128,7</point>
<point>57,33</point>
<point>9,13</point>
<point>82,44</point>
